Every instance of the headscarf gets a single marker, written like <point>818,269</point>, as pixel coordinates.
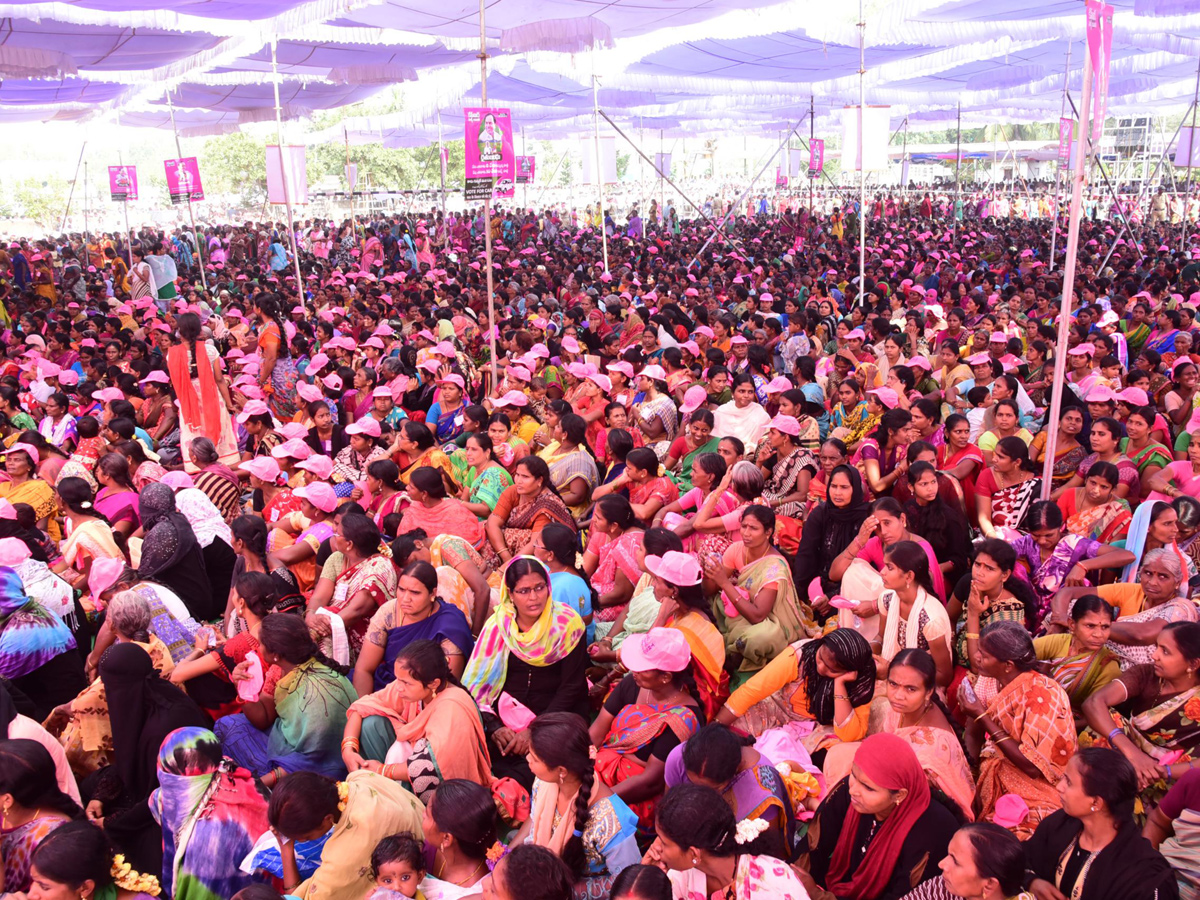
<point>30,635</point>
<point>169,535</point>
<point>1135,542</point>
<point>841,523</point>
<point>889,762</point>
<point>555,634</point>
<point>211,812</point>
<point>143,709</point>
<point>853,654</point>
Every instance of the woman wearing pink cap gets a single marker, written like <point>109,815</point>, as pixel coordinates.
<point>157,414</point>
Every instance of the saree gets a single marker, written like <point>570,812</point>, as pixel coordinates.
<point>663,408</point>
<point>281,395</point>
<point>447,623</point>
<point>1003,609</point>
<point>377,576</point>
<point>1080,674</point>
<point>635,727</point>
<point>435,459</point>
<point>1136,337</point>
<point>1106,523</point>
<point>1066,462</point>
<point>311,702</point>
<point>488,487</point>
<point>211,813</point>
<point>1009,504</point>
<point>92,539</point>
<point>783,480</point>
<point>17,846</point>
<point>447,515</point>
<point>30,635</point>
<point>708,658</point>
<point>1047,576</point>
<point>788,621</point>
<point>1152,454</point>
<point>518,527</point>
<point>446,553</point>
<point>1035,711</point>
<point>683,477</point>
<point>755,878</point>
<point>566,467</point>
<point>40,496</point>
<point>619,555</point>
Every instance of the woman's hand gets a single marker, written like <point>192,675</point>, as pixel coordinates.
<point>1077,577</point>
<point>318,626</point>
<point>92,666</point>
<point>95,813</point>
<point>870,523</point>
<point>1147,768</point>
<point>354,761</point>
<point>1044,890</point>
<point>241,672</point>
<point>653,856</point>
<point>356,494</point>
<point>972,706</point>
<point>977,603</point>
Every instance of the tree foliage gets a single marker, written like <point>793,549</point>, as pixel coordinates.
<point>235,164</point>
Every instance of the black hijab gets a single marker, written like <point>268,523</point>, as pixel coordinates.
<point>143,710</point>
<point>829,531</point>
<point>171,555</point>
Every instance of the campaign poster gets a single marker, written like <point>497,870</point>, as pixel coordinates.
<point>781,180</point>
<point>816,156</point>
<point>488,143</point>
<point>183,180</point>
<point>1099,39</point>
<point>525,168</point>
<point>122,183</point>
<point>1065,127</point>
<point>505,189</point>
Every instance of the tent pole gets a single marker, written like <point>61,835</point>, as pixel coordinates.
<point>349,183</point>
<point>904,159</point>
<point>525,186</point>
<point>191,212</point>
<point>1058,169</point>
<point>1187,184</point>
<point>812,176</point>
<point>85,209</point>
<point>487,206</point>
<point>442,170</point>
<point>862,173</point>
<point>125,203</point>
<point>958,163</point>
<point>662,187</point>
<point>71,193</point>
<point>598,168</point>
<point>285,174</point>
<point>1068,291</point>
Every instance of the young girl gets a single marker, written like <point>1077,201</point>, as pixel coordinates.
<point>398,865</point>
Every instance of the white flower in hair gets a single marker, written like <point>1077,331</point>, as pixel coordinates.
<point>749,829</point>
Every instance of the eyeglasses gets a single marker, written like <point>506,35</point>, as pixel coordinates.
<point>530,591</point>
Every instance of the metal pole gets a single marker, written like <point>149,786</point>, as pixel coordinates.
<point>1187,188</point>
<point>1054,202</point>
<point>862,174</point>
<point>904,158</point>
<point>349,183</point>
<point>598,168</point>
<point>1064,314</point>
<point>957,169</point>
<point>442,169</point>
<point>812,176</point>
<point>125,203</point>
<point>85,209</point>
<point>285,174</point>
<point>71,193</point>
<point>662,187</point>
<point>191,212</point>
<point>487,207</point>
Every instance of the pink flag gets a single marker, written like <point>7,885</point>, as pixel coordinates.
<point>1099,38</point>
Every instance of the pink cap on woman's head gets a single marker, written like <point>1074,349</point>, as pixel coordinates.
<point>7,510</point>
<point>333,381</point>
<point>886,396</point>
<point>738,339</point>
<point>455,379</point>
<point>292,447</point>
<point>918,362</point>
<point>512,398</point>
<point>978,359</point>
<point>695,397</point>
<point>654,373</point>
<point>1102,393</point>
<point>264,468</point>
<point>29,449</point>
<point>856,334</point>
<point>601,381</point>
<point>675,567</point>
<point>319,494</point>
<point>293,431</point>
<point>789,424</point>
<point>579,370</point>
<point>1135,396</point>
<point>107,395</point>
<point>664,649</point>
<point>625,368</point>
<point>13,551</point>
<point>518,372</point>
<point>68,377</point>
<point>320,465</point>
<point>308,392</point>
<point>156,377</point>
<point>367,426</point>
<point>570,344</point>
<point>253,408</point>
<point>778,385</point>
<point>104,574</point>
<point>178,480</point>
<point>318,362</point>
<point>706,331</point>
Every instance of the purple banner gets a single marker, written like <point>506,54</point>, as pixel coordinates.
<point>122,183</point>
<point>816,156</point>
<point>488,141</point>
<point>183,180</point>
<point>1099,38</point>
<point>1065,126</point>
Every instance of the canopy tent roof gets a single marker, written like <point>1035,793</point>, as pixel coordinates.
<point>683,66</point>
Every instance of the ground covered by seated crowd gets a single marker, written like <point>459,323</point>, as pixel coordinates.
<point>732,574</point>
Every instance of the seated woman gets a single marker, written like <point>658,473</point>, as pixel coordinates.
<point>707,472</point>
<point>1141,447</point>
<point>363,580</point>
<point>523,510</point>
<point>727,762</point>
<point>831,454</point>
<point>647,715</point>
<point>36,806</point>
<point>588,826</point>
<point>508,447</point>
<point>207,673</point>
<point>857,566</point>
<point>882,455</point>
<point>143,709</point>
<point>787,466</point>
<point>741,485</point>
<point>1091,848</point>
<point>24,486</point>
<point>760,612</point>
<point>1053,558</point>
<point>611,559</point>
<point>828,531</point>
<point>296,539</point>
<point>910,615</point>
<point>172,556</point>
<point>78,858</point>
<point>117,498</point>
<point>1004,490</point>
<point>464,579</point>
<point>558,547</point>
<point>941,524</point>
<point>916,713</point>
<point>485,478</point>
<point>433,511</point>
<point>1145,607</point>
<point>89,535</point>
<point>421,729</point>
<point>828,681</point>
<point>648,490</point>
<point>326,851</point>
<point>211,813</point>
<point>363,448</point>
<point>277,733</point>
<point>1155,525</point>
<point>696,441</point>
<point>1094,510</point>
<point>1171,829</point>
<point>1021,729</point>
<point>573,471</point>
<point>460,826</point>
<point>416,614</point>
<point>698,842</point>
<point>742,417</point>
<point>530,650</point>
<point>1144,713</point>
<point>1079,659</point>
<point>982,860</point>
<point>879,831</point>
<point>530,872</point>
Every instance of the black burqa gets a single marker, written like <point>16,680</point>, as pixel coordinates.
<point>171,555</point>
<point>827,532</point>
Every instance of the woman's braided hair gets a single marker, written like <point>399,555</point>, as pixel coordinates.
<point>561,739</point>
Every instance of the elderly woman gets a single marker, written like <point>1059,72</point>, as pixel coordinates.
<point>1022,729</point>
<point>23,486</point>
<point>172,556</point>
<point>530,650</point>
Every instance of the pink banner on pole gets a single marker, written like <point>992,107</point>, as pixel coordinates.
<point>297,175</point>
<point>122,183</point>
<point>1099,39</point>
<point>781,180</point>
<point>1065,126</point>
<point>525,169</point>
<point>488,141</point>
<point>816,156</point>
<point>183,180</point>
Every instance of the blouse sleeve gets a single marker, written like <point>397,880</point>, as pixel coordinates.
<point>782,670</point>
<point>383,621</point>
<point>856,728</point>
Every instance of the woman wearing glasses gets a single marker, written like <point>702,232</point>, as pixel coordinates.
<point>529,659</point>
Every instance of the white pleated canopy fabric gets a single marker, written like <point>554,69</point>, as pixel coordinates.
<point>685,67</point>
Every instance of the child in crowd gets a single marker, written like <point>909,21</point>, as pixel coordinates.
<point>398,865</point>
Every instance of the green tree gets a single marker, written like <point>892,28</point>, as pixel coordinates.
<point>235,164</point>
<point>42,201</point>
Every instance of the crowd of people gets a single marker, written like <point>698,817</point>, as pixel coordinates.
<point>731,575</point>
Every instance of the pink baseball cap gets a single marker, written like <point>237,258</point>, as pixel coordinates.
<point>654,373</point>
<point>178,480</point>
<point>264,468</point>
<point>367,426</point>
<point>294,448</point>
<point>157,377</point>
<point>253,408</point>
<point>918,362</point>
<point>333,381</point>
<point>7,510</point>
<point>1011,810</point>
<point>13,551</point>
<point>319,464</point>
<point>293,430</point>
<point>601,381</point>
<point>68,377</point>
<point>1102,393</point>
<point>512,398</point>
<point>706,331</point>
<point>104,574</point>
<point>625,368</point>
<point>778,385</point>
<point>738,339</point>
<point>978,359</point>
<point>886,396</point>
<point>318,362</point>
<point>695,397</point>
<point>28,449</point>
<point>662,649</point>
<point>790,424</point>
<point>107,395</point>
<point>319,494</point>
<point>382,391</point>
<point>454,379</point>
<point>308,392</point>
<point>856,334</point>
<point>1135,396</point>
<point>570,344</point>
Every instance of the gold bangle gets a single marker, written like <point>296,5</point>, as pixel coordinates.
<point>350,742</point>
<point>841,697</point>
<point>971,635</point>
<point>1001,740</point>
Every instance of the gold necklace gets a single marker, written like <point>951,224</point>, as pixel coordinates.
<point>470,875</point>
